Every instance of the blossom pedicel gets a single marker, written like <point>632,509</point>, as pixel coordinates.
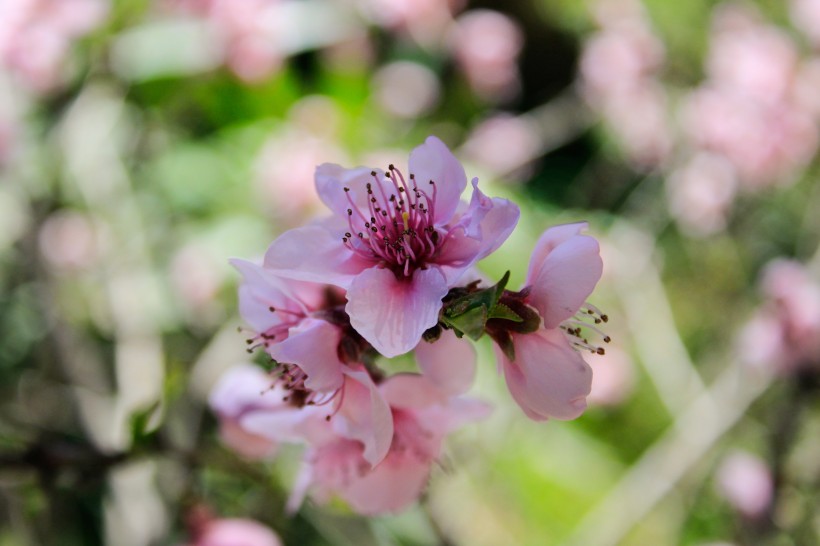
<point>391,271</point>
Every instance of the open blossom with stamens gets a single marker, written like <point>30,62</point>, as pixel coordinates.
<point>255,408</point>
<point>424,408</point>
<point>543,368</point>
<point>288,318</point>
<point>397,243</point>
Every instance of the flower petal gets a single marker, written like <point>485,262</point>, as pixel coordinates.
<point>331,180</point>
<point>364,416</point>
<point>566,278</point>
<point>550,239</point>
<point>240,388</point>
<point>392,314</point>
<point>313,346</point>
<point>548,377</point>
<point>448,363</point>
<point>314,253</point>
<point>434,161</point>
<point>478,233</point>
<point>388,488</point>
<point>261,289</point>
<point>410,390</point>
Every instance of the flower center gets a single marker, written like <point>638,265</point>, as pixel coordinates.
<point>292,379</point>
<point>397,227</point>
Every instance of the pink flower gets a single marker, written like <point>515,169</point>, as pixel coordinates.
<point>359,413</point>
<point>285,315</point>
<point>745,482</point>
<point>784,335</point>
<point>486,45</point>
<point>240,390</point>
<point>424,408</point>
<point>397,244</point>
<point>544,372</point>
<point>35,36</point>
<point>247,31</point>
<point>235,532</point>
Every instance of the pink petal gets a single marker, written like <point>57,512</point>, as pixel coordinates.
<point>550,239</point>
<point>248,445</point>
<point>390,487</point>
<point>288,424</point>
<point>392,314</point>
<point>241,387</point>
<point>314,253</point>
<point>331,180</point>
<point>365,416</point>
<point>409,390</point>
<point>548,377</point>
<point>449,363</point>
<point>260,291</point>
<point>479,232</point>
<point>565,279</point>
<point>313,346</point>
<point>434,161</point>
<point>237,532</point>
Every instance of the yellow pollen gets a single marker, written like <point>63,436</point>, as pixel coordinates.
<point>404,217</point>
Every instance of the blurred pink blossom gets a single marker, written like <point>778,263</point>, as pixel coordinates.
<point>613,378</point>
<point>486,45</point>
<point>701,194</point>
<point>70,241</point>
<point>745,482</point>
<point>546,375</point>
<point>618,73</point>
<point>805,15</point>
<point>247,31</point>
<point>234,532</point>
<point>426,21</point>
<point>503,144</point>
<point>806,84</point>
<point>284,173</point>
<point>749,57</point>
<point>406,89</point>
<point>751,108</point>
<point>784,335</point>
<point>766,142</point>
<point>35,37</point>
<point>196,276</point>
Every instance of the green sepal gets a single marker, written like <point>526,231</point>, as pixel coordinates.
<point>468,314</point>
<point>501,311</point>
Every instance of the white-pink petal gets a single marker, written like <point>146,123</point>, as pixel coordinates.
<point>364,415</point>
<point>434,161</point>
<point>313,346</point>
<point>565,279</point>
<point>448,363</point>
<point>314,253</point>
<point>392,313</point>
<point>548,378</point>
<point>550,239</point>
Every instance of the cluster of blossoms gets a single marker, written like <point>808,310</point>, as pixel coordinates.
<point>35,37</point>
<point>392,271</point>
<point>752,123</point>
<point>783,336</point>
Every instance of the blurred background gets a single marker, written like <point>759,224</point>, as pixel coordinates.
<point>144,142</point>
